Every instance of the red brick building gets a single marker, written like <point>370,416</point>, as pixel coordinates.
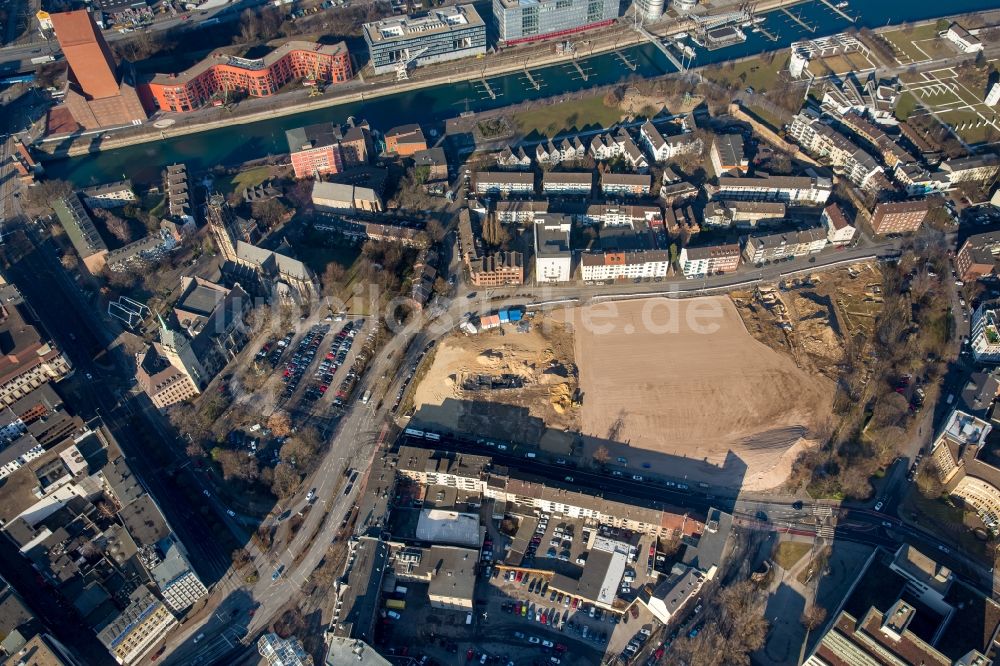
<point>220,74</point>
<point>899,218</point>
<point>405,140</point>
<point>977,257</point>
<point>100,94</point>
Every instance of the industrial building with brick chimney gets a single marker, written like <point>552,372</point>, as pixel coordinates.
<point>100,93</point>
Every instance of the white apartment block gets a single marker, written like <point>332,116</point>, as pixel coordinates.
<point>821,140</point>
<point>568,182</point>
<point>505,182</point>
<point>839,231</point>
<point>553,257</point>
<point>624,265</point>
<point>786,189</point>
<point>698,262</point>
<point>611,215</point>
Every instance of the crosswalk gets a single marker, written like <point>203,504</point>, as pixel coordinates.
<point>826,531</point>
<point>822,510</point>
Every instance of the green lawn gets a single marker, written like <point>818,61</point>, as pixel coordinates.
<point>754,72</point>
<point>789,552</point>
<point>552,119</point>
<point>248,178</point>
<point>972,135</point>
<point>904,42</point>
<point>905,106</point>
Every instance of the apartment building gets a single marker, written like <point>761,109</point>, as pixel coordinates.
<point>823,141</point>
<point>49,512</point>
<point>315,150</point>
<point>553,256</point>
<point>177,190</point>
<point>487,270</point>
<point>899,218</point>
<point>137,629</point>
<point>723,213</point>
<point>79,226</point>
<point>728,155</point>
<point>839,230</point>
<point>627,185</point>
<point>886,147</point>
<point>109,195</point>
<point>624,265</point>
<point>621,215</point>
<point>405,140</point>
<point>473,474</point>
<point>505,183</point>
<point>522,21</point>
<point>975,168</point>
<point>438,35</point>
<point>977,256</point>
<point>681,222</point>
<point>663,149</point>
<point>28,359</point>
<point>985,336</point>
<point>699,262</point>
<point>578,183</point>
<point>959,458</point>
<point>520,212</point>
<point>773,247</point>
<point>793,190</point>
<point>220,74</point>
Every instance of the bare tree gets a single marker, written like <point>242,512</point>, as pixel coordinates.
<point>813,617</point>
<point>601,455</point>
<point>116,225</point>
<point>279,423</point>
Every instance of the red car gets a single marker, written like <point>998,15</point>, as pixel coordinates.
<point>520,576</point>
<point>468,655</point>
<point>659,652</point>
<point>560,647</point>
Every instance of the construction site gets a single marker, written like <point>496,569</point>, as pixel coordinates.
<point>515,383</point>
<point>816,319</point>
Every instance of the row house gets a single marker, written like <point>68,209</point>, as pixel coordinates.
<point>624,265</point>
<point>567,150</point>
<point>626,184</point>
<point>918,181</point>
<point>663,149</point>
<point>505,182</point>
<point>509,158</point>
<point>793,190</point>
<point>699,262</point>
<point>773,247</point>
<point>603,147</point>
<point>633,156</point>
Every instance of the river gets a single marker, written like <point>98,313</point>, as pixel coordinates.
<point>239,143</point>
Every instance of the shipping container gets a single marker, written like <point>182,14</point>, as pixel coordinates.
<point>401,589</point>
<point>515,315</point>
<point>395,603</point>
<point>504,317</point>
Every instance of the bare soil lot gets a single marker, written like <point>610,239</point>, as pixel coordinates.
<point>454,393</point>
<point>711,405</point>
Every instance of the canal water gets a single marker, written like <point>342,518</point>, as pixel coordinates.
<point>239,143</point>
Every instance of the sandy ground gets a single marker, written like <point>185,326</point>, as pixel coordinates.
<point>716,407</point>
<point>537,412</point>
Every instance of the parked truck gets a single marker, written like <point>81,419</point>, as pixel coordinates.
<point>396,604</point>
